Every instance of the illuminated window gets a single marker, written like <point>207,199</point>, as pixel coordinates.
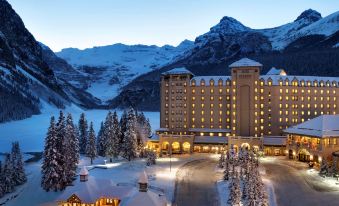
<point>212,91</point>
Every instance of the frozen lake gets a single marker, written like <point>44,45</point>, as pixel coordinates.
<point>31,132</point>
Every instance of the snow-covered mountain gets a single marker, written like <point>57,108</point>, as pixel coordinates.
<point>306,46</point>
<point>26,77</point>
<point>109,68</point>
<point>309,22</point>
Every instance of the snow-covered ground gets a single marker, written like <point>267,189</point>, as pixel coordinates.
<point>31,132</point>
<point>120,171</point>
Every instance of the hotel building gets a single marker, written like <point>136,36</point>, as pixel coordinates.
<point>206,113</point>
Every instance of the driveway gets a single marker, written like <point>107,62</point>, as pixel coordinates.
<point>293,188</point>
<point>196,184</point>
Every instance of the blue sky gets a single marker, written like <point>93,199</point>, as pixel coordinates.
<point>87,23</point>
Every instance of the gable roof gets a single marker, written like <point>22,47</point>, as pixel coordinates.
<point>245,62</point>
<point>322,126</point>
<point>180,70</point>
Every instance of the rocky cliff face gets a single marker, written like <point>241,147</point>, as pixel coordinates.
<point>306,46</point>
<point>26,78</point>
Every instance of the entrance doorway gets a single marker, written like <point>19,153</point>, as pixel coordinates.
<point>186,147</point>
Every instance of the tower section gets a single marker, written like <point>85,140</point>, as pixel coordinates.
<point>245,97</point>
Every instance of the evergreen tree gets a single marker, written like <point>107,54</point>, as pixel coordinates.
<point>8,173</point>
<point>116,136</point>
<point>123,125</point>
<point>61,147</point>
<point>235,192</point>
<point>221,160</point>
<point>151,157</point>
<point>72,149</point>
<point>91,150</point>
<point>19,176</point>
<point>83,133</point>
<point>101,141</point>
<point>323,168</point>
<point>129,144</point>
<point>108,140</point>
<point>50,166</point>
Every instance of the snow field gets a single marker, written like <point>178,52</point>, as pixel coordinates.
<point>31,132</point>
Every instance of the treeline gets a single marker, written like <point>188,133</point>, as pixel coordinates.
<point>16,104</point>
<point>12,173</point>
<point>65,142</point>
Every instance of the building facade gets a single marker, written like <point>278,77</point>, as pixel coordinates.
<point>203,112</point>
<point>314,140</point>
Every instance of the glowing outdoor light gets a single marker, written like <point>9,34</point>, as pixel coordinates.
<point>311,157</point>
<point>320,159</point>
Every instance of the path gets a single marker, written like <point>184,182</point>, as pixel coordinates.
<point>292,189</point>
<point>196,184</point>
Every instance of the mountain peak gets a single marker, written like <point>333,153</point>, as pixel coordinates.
<point>229,25</point>
<point>309,14</point>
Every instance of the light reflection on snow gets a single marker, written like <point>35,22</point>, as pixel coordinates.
<point>166,174</point>
<point>167,159</point>
<point>108,165</point>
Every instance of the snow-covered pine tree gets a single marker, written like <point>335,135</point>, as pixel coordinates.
<point>227,171</point>
<point>19,176</point>
<point>100,141</point>
<point>235,191</point>
<point>83,133</point>
<point>323,168</point>
<point>334,167</point>
<point>50,166</point>
<point>221,160</point>
<point>129,144</point>
<point>61,147</point>
<point>116,136</point>
<point>108,136</point>
<point>151,157</point>
<point>123,124</point>
<point>8,173</point>
<point>72,148</point>
<point>91,150</point>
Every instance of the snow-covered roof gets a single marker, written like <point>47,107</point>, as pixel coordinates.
<point>207,79</point>
<point>148,198</point>
<point>274,140</point>
<point>321,126</point>
<point>211,140</point>
<point>245,62</point>
<point>312,79</point>
<point>93,189</point>
<point>180,70</point>
<point>208,130</point>
<point>275,71</point>
<point>143,178</point>
<point>84,171</point>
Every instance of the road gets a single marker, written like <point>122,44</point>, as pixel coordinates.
<point>292,188</point>
<point>196,184</point>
